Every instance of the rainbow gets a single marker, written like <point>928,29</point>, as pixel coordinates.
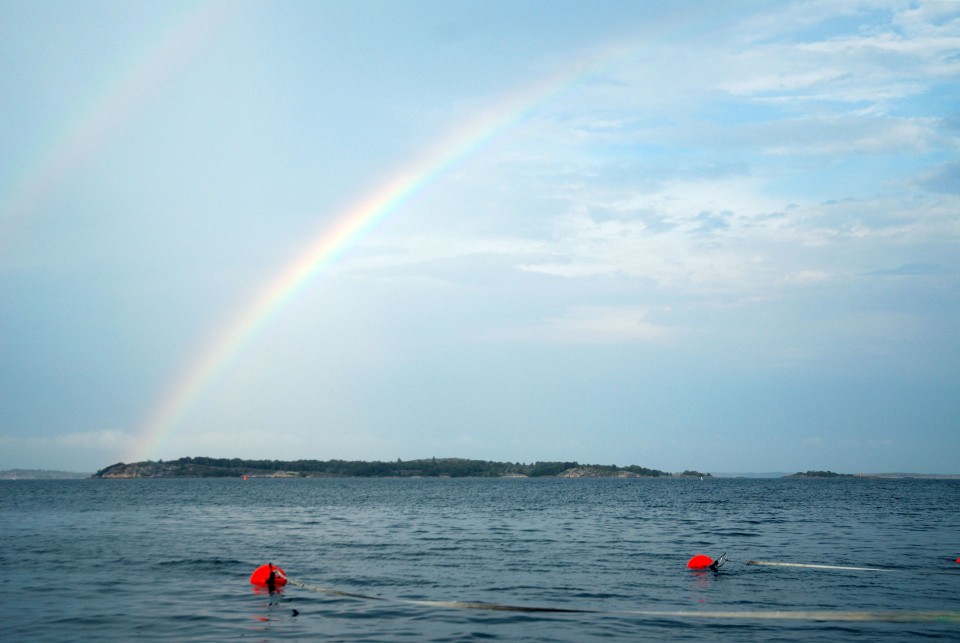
<point>357,222</point>
<point>107,111</point>
<point>350,228</point>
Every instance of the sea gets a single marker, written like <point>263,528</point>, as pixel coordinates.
<point>501,559</point>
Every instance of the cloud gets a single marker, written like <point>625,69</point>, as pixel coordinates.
<point>807,277</point>
<point>405,250</point>
<point>594,325</point>
<point>911,270</point>
<point>774,86</point>
<point>891,61</point>
<point>711,222</point>
<point>840,135</point>
<point>892,219</point>
<point>944,178</point>
<point>692,252</point>
<point>672,249</point>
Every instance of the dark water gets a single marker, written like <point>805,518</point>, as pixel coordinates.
<point>170,559</point>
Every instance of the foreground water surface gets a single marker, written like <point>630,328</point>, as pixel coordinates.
<point>170,559</point>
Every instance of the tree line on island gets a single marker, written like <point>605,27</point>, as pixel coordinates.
<point>203,467</point>
<point>819,474</point>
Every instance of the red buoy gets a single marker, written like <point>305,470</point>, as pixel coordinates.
<point>700,561</point>
<point>267,575</point>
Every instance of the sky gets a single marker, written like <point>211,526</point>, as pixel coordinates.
<point>682,235</point>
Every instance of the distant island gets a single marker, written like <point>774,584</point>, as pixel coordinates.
<point>204,467</point>
<point>887,476</point>
<point>40,474</point>
<point>819,474</point>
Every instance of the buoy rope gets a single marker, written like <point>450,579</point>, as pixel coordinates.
<point>796,615</point>
<point>429,603</point>
<point>776,563</point>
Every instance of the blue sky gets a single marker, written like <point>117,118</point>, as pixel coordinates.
<point>702,236</point>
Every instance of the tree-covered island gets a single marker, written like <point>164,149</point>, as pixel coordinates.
<point>819,474</point>
<point>203,467</point>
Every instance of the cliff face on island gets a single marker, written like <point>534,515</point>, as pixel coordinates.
<point>433,467</point>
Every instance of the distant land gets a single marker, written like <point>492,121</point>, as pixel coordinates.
<point>930,476</point>
<point>40,474</point>
<point>820,474</point>
<point>831,474</point>
<point>749,474</point>
<point>432,467</point>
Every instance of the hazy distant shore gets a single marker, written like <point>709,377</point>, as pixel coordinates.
<point>40,474</point>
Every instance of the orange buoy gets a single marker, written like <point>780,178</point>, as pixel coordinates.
<point>700,561</point>
<point>269,576</point>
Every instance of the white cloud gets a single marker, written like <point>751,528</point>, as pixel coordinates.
<point>743,255</point>
<point>842,136</point>
<point>876,64</point>
<point>412,249</point>
<point>807,277</point>
<point>826,95</point>
<point>594,325</point>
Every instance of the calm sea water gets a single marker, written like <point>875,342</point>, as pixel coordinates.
<point>170,559</point>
